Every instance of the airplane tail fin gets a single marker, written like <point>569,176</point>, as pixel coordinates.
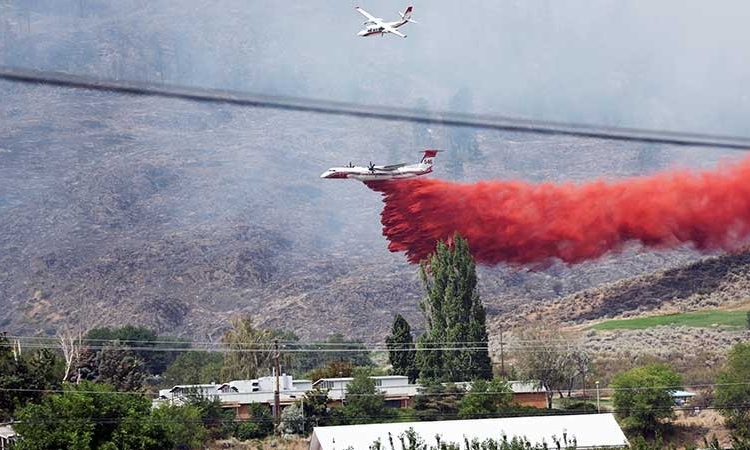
<point>428,156</point>
<point>406,15</point>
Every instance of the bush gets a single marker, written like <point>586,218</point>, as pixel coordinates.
<point>249,430</point>
<point>578,406</point>
<point>258,427</point>
<point>642,400</point>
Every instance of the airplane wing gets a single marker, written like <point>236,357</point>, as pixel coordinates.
<point>390,29</point>
<point>391,167</point>
<point>366,14</point>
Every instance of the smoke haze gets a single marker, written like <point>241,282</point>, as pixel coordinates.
<point>94,185</point>
<point>669,64</point>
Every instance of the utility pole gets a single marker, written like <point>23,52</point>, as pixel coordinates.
<point>598,410</point>
<point>303,415</point>
<point>276,400</point>
<point>583,374</point>
<point>341,389</point>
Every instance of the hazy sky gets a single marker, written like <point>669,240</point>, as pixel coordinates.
<point>672,64</point>
<point>86,169</point>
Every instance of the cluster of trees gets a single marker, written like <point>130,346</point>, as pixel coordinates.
<point>455,318</point>
<point>92,396</point>
<point>365,403</point>
<point>92,415</point>
<point>25,377</point>
<point>133,358</point>
<point>733,393</point>
<point>454,345</point>
<point>644,404</point>
<point>98,386</point>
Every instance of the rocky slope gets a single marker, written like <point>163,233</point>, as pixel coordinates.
<point>176,215</point>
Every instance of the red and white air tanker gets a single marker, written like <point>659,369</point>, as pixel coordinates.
<point>382,173</point>
<point>376,25</point>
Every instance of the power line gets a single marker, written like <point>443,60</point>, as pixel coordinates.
<point>347,344</point>
<point>390,113</point>
<point>293,346</point>
<point>199,387</point>
<point>303,349</point>
<point>254,348</point>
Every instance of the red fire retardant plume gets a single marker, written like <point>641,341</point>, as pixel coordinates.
<point>531,224</point>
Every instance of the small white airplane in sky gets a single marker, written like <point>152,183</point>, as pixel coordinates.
<point>382,173</point>
<point>376,25</point>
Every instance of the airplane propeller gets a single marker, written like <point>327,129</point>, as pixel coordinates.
<point>372,167</point>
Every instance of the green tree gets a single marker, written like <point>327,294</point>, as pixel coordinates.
<point>113,364</point>
<point>486,399</point>
<point>292,419</point>
<point>315,408</point>
<point>216,420</point>
<point>364,402</point>
<point>437,401</point>
<point>733,391</point>
<point>251,350</point>
<point>335,348</point>
<point>179,427</point>
<point>85,416</point>
<point>94,416</point>
<point>258,426</point>
<point>333,369</point>
<point>24,378</point>
<point>401,353</point>
<point>145,342</point>
<point>194,367</point>
<point>642,397</point>
<point>455,317</point>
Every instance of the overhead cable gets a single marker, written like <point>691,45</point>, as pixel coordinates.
<point>390,113</point>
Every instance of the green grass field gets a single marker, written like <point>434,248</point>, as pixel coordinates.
<point>704,319</point>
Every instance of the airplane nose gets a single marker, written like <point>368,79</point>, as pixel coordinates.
<point>362,33</point>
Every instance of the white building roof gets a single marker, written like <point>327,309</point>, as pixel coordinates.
<point>678,393</point>
<point>589,430</point>
<point>525,387</point>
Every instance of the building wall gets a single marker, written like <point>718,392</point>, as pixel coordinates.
<point>243,412</point>
<point>535,399</point>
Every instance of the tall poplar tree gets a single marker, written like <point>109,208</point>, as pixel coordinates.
<point>401,352</point>
<point>454,344</point>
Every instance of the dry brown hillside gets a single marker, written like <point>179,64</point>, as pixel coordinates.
<point>712,282</point>
<point>716,282</point>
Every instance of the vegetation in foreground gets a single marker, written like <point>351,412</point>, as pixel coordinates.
<point>96,396</point>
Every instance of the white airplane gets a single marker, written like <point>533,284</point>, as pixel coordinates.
<point>382,173</point>
<point>376,25</point>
